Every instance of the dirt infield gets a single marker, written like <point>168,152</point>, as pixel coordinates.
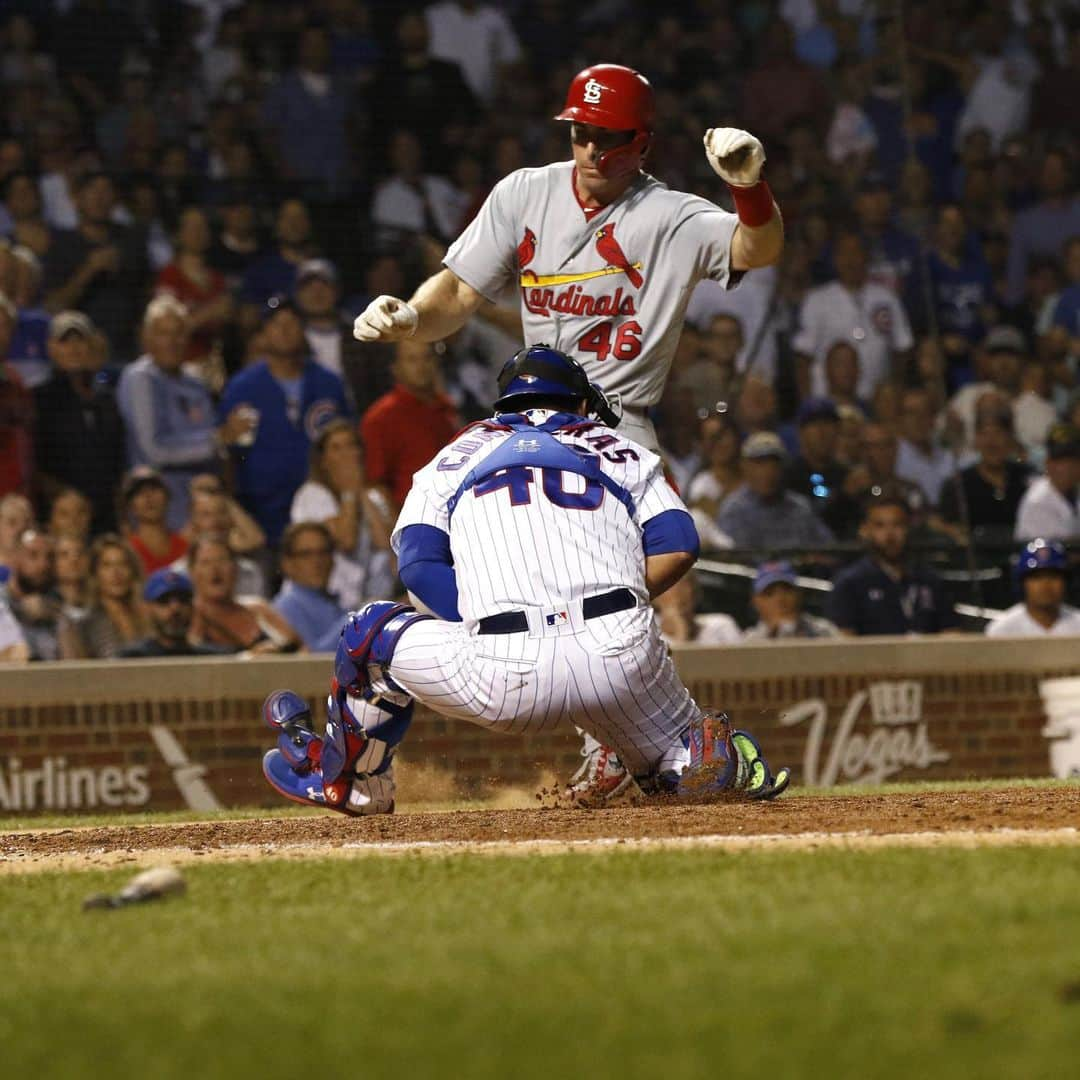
<point>1013,812</point>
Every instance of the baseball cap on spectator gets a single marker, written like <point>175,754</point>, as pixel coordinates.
<point>276,303</point>
<point>166,582</point>
<point>763,444</point>
<point>140,477</point>
<point>316,268</point>
<point>769,573</point>
<point>816,409</point>
<point>1063,441</point>
<point>70,322</point>
<point>1005,339</point>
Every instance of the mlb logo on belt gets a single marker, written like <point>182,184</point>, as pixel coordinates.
<point>557,618</point>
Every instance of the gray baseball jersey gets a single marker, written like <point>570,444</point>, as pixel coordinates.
<point>609,288</point>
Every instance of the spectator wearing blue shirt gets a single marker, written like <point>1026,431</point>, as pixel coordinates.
<point>289,398</point>
<point>169,416</point>
<point>892,254</point>
<point>961,286</point>
<point>305,119</point>
<point>884,592</point>
<point>307,557</point>
<point>1040,231</point>
<point>1066,316</point>
<point>28,351</point>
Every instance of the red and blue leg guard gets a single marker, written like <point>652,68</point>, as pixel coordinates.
<point>368,639</point>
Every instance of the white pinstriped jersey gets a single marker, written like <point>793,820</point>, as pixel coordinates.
<point>531,535</point>
<point>610,289</point>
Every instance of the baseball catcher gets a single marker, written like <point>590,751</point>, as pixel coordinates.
<point>538,537</point>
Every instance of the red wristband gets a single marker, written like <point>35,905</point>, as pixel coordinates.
<point>754,205</point>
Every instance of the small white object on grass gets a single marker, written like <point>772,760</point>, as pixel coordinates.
<point>153,884</point>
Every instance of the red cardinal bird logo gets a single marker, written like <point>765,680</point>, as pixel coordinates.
<point>609,249</point>
<point>527,248</point>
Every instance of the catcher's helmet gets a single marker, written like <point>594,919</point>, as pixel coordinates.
<point>620,99</point>
<point>1040,555</point>
<point>541,371</point>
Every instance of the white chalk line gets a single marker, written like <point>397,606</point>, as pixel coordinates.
<point>105,858</point>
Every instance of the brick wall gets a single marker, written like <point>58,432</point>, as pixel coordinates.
<point>94,736</point>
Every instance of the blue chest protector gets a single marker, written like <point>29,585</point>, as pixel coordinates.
<point>537,448</point>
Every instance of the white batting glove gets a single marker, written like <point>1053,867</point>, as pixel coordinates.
<point>735,155</point>
<point>386,318</point>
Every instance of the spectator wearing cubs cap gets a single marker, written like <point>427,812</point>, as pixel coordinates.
<point>167,598</point>
<point>778,602</point>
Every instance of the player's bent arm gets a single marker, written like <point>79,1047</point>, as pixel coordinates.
<point>663,571</point>
<point>443,303</point>
<point>671,545</point>
<point>508,320</point>
<point>752,248</point>
<point>426,569</point>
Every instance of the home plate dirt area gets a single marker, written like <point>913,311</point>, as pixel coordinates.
<point>992,816</point>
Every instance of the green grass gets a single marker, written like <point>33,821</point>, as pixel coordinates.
<point>881,964</point>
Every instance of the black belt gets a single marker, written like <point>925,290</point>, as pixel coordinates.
<point>592,607</point>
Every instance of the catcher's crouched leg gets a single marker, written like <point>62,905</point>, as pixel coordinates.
<point>723,758</point>
<point>366,647</point>
<point>350,769</point>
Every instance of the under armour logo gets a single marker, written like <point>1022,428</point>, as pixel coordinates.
<point>527,446</point>
<point>592,92</point>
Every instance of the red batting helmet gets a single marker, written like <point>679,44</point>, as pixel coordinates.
<point>620,99</point>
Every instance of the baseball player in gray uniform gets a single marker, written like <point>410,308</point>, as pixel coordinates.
<point>605,257</point>
<point>539,537</point>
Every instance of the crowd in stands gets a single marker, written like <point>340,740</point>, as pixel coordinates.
<point>197,197</point>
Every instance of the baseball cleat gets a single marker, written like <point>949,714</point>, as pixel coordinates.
<point>603,780</point>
